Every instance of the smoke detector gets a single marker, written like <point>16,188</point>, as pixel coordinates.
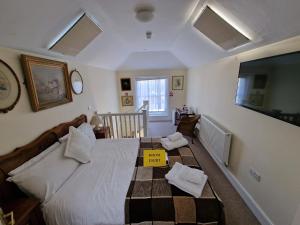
<point>144,14</point>
<point>148,34</point>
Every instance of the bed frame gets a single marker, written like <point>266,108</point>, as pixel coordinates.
<point>10,161</point>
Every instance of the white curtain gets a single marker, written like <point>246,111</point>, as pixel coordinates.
<point>156,92</point>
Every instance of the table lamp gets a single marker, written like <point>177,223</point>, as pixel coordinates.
<point>96,121</point>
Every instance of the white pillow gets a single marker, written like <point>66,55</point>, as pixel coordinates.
<point>87,129</point>
<point>63,138</point>
<point>79,146</point>
<point>43,179</point>
<point>34,160</point>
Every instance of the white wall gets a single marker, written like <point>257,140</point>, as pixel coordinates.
<point>296,220</point>
<point>21,125</point>
<point>270,146</point>
<point>177,100</point>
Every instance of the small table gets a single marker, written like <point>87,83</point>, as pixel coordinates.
<point>180,114</point>
<point>103,132</point>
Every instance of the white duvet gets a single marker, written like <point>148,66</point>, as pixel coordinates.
<point>95,193</point>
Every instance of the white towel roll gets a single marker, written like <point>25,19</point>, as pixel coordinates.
<point>174,137</point>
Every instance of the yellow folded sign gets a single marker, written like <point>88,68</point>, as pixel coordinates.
<point>155,157</point>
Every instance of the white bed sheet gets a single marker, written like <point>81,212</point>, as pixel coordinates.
<point>95,194</point>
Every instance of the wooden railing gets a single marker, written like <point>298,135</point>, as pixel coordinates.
<point>126,125</point>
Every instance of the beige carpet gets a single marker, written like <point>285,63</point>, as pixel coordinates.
<point>236,211</point>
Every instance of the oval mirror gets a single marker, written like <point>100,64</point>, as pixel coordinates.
<point>10,89</point>
<point>77,82</point>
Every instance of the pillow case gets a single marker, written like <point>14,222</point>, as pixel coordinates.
<point>87,129</point>
<point>34,160</point>
<point>43,179</point>
<point>79,146</point>
<point>63,138</point>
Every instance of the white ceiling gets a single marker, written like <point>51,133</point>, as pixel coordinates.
<point>32,24</point>
<point>151,60</point>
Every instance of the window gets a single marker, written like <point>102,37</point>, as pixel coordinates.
<point>156,92</point>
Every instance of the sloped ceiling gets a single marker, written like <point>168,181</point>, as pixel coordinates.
<point>151,60</point>
<point>32,24</point>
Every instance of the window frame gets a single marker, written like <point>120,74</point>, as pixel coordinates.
<point>155,114</point>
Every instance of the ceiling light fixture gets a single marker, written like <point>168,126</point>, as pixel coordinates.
<point>144,14</point>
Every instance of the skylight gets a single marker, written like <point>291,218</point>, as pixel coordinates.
<point>219,31</point>
<point>77,35</point>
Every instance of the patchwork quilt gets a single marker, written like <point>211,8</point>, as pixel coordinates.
<point>152,200</point>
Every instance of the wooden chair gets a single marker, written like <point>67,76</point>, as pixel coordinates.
<point>187,125</point>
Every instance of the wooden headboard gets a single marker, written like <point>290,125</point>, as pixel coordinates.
<point>22,154</point>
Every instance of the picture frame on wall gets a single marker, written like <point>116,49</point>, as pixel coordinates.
<point>177,82</point>
<point>47,82</point>
<point>10,89</point>
<point>127,100</point>
<point>125,84</point>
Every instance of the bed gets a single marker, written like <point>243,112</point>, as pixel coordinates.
<point>115,188</point>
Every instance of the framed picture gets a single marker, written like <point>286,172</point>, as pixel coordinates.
<point>47,82</point>
<point>177,82</point>
<point>256,99</point>
<point>125,84</point>
<point>127,100</point>
<point>76,82</point>
<point>10,89</point>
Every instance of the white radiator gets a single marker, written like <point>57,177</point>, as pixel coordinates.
<point>215,138</point>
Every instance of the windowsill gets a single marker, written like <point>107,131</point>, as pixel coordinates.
<point>165,114</point>
<point>159,117</point>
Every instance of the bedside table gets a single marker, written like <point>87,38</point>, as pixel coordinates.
<point>26,211</point>
<point>103,132</point>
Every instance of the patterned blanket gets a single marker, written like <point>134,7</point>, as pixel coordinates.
<point>152,200</point>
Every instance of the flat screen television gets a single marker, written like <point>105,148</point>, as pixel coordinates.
<point>271,86</point>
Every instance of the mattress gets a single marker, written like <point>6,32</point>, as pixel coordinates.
<point>96,191</point>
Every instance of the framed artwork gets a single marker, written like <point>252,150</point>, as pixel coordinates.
<point>177,82</point>
<point>47,82</point>
<point>125,84</point>
<point>256,99</point>
<point>76,82</point>
<point>10,89</point>
<point>127,100</point>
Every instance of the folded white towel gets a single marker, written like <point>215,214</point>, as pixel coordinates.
<point>163,140</point>
<point>174,137</point>
<point>174,173</point>
<point>191,188</point>
<point>191,175</point>
<point>174,178</point>
<point>170,145</point>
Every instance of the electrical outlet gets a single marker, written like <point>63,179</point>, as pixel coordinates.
<point>255,175</point>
